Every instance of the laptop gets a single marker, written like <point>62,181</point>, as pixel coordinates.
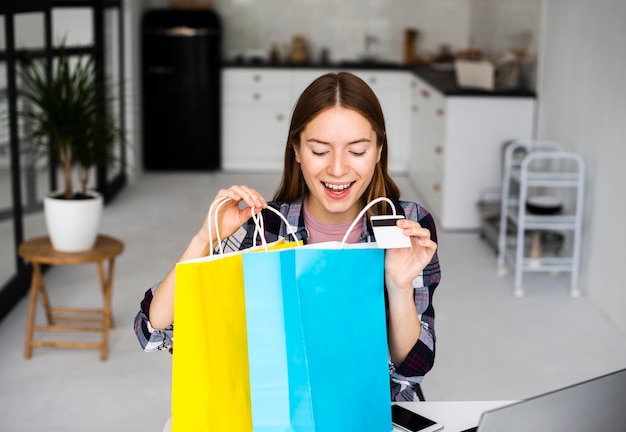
<point>598,404</point>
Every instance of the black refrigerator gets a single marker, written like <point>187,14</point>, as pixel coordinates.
<point>181,61</point>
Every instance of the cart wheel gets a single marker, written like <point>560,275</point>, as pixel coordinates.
<point>502,271</point>
<point>519,292</point>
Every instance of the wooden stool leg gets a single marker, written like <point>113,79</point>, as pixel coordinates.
<point>32,304</point>
<point>106,282</point>
<point>45,301</point>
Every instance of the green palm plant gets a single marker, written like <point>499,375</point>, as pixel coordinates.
<point>62,117</point>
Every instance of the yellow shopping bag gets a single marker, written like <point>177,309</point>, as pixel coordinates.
<point>210,370</point>
<point>210,385</point>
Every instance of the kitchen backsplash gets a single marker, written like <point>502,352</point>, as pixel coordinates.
<point>252,27</point>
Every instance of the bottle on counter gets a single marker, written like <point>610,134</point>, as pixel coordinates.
<point>299,50</point>
<point>410,41</point>
<point>324,56</point>
<point>274,54</point>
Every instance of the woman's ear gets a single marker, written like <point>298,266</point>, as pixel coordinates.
<point>296,151</point>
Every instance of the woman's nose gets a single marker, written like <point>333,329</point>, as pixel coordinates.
<point>338,166</point>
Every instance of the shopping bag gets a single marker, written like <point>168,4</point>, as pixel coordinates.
<point>210,386</point>
<point>302,331</point>
<point>210,379</point>
<point>314,316</point>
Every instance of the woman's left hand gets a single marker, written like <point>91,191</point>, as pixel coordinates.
<point>402,265</point>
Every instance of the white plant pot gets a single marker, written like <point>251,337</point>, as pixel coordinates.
<point>73,225</point>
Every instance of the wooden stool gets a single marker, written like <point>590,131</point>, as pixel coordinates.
<point>40,251</point>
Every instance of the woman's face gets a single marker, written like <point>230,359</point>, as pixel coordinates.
<point>337,155</point>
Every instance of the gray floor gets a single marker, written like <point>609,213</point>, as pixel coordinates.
<point>490,345</point>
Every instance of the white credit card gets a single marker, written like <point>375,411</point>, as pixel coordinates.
<point>388,235</point>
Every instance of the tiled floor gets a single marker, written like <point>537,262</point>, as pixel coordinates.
<point>490,344</point>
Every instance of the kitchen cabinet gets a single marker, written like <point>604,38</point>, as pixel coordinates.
<point>257,105</point>
<point>456,152</point>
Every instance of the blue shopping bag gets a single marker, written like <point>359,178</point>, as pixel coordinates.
<point>310,311</point>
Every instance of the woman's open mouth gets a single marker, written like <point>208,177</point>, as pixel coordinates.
<point>337,190</point>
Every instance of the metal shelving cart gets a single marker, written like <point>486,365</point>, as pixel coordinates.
<point>542,192</point>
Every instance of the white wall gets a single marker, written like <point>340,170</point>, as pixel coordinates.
<point>499,25</point>
<point>582,104</point>
<point>254,25</point>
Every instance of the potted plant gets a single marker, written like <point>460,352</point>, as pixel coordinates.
<point>62,120</point>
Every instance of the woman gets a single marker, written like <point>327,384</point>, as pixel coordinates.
<point>335,163</point>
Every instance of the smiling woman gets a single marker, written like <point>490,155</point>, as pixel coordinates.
<point>337,156</point>
<point>335,163</point>
<point>354,104</point>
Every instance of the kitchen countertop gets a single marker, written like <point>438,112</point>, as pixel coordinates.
<point>443,80</point>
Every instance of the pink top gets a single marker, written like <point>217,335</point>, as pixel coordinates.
<point>320,232</point>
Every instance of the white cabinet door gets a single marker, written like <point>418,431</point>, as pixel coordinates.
<point>255,119</point>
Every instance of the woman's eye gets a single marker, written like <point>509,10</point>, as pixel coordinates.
<point>354,153</point>
<point>319,153</point>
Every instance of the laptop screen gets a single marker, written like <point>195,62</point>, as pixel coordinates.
<point>596,404</point>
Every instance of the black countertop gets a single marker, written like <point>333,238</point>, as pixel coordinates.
<point>443,80</point>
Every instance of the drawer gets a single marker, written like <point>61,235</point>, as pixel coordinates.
<point>259,96</point>
<point>256,78</point>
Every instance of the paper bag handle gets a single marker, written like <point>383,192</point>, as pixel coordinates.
<point>260,228</point>
<point>360,215</point>
<point>258,221</point>
<point>218,202</point>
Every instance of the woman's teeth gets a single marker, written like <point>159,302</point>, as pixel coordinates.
<point>336,187</point>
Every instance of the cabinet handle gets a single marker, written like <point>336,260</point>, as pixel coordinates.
<point>413,84</point>
<point>426,94</point>
<point>373,80</point>
<point>436,187</point>
<point>257,78</point>
<point>439,112</point>
<point>414,108</point>
<point>280,117</point>
<point>438,150</point>
<point>256,96</point>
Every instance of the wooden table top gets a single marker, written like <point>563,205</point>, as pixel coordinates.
<point>39,249</point>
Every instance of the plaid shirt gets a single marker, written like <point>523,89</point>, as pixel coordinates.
<point>404,378</point>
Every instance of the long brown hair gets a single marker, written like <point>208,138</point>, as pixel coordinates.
<point>347,91</point>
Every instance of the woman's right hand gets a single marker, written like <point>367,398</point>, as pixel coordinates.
<point>229,216</point>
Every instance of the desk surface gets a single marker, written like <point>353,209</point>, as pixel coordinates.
<point>454,416</point>
<point>40,250</point>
